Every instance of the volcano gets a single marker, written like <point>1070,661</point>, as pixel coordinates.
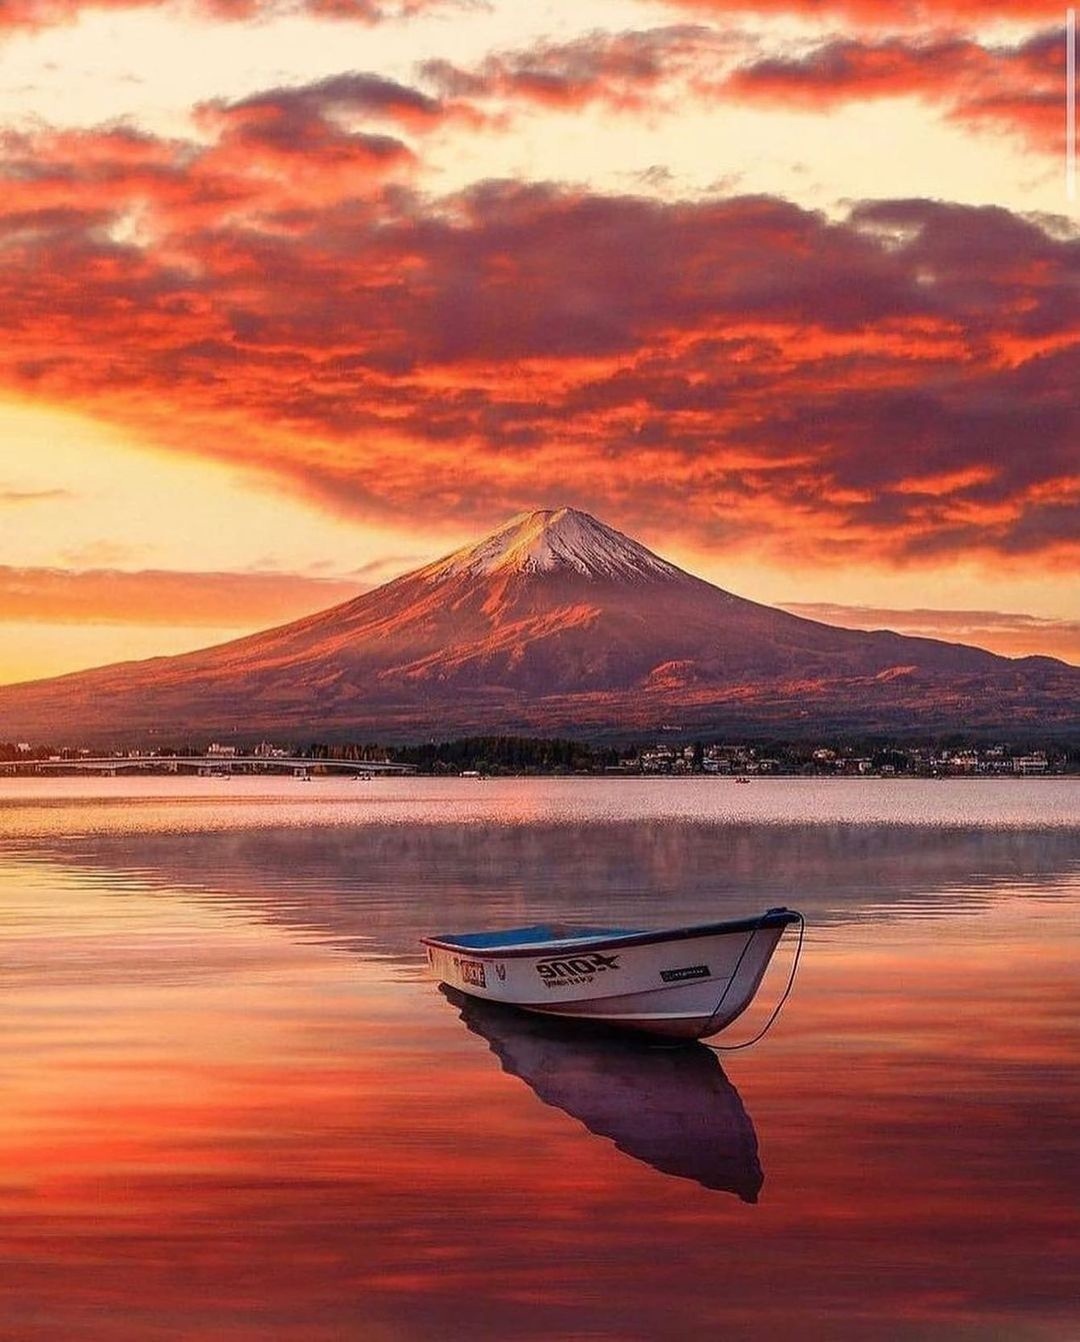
<point>554,623</point>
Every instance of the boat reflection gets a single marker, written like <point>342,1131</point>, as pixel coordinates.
<point>669,1107</point>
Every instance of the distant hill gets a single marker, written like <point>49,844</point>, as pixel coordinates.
<point>554,623</point>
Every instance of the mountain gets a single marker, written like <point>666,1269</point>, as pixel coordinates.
<point>553,623</point>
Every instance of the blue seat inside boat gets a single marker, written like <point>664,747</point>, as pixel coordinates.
<point>525,936</point>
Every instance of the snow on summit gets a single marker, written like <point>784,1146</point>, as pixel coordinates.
<point>551,539</point>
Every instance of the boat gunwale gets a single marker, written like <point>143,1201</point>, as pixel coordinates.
<point>539,949</point>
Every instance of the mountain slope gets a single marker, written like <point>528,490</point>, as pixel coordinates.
<point>553,622</point>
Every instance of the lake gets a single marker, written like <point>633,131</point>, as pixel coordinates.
<point>235,1108</point>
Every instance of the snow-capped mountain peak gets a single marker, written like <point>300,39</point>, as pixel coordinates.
<point>552,539</point>
<point>554,624</point>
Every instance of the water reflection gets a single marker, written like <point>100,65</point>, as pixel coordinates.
<point>232,1109</point>
<point>378,887</point>
<point>669,1107</point>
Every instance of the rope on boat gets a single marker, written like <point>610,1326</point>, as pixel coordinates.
<point>734,1048</point>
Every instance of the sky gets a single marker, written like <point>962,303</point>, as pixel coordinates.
<point>297,295</point>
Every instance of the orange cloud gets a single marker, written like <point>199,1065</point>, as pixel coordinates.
<point>1011,635</point>
<point>625,70</point>
<point>885,13</point>
<point>1011,88</point>
<point>871,13</point>
<point>10,498</point>
<point>1015,89</point>
<point>166,597</point>
<point>898,384</point>
<point>47,13</point>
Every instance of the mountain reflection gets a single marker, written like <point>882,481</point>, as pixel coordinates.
<point>377,887</point>
<point>669,1107</point>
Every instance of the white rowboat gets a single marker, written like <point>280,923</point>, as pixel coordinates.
<point>682,983</point>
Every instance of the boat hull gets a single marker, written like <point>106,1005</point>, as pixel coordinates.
<point>690,983</point>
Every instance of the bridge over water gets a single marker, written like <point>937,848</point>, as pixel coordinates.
<point>299,765</point>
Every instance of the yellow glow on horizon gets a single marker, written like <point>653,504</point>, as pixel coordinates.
<point>110,501</point>
<point>79,495</point>
<point>946,586</point>
<point>36,651</point>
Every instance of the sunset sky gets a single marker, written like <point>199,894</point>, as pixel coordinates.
<point>299,294</point>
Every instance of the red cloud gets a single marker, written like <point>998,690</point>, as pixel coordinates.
<point>46,13</point>
<point>296,120</point>
<point>267,153</point>
<point>1017,88</point>
<point>898,384</point>
<point>889,14</point>
<point>620,69</point>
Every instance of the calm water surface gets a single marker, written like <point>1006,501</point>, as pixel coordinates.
<point>234,1108</point>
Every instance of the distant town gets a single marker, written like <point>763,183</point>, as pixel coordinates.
<point>511,756</point>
